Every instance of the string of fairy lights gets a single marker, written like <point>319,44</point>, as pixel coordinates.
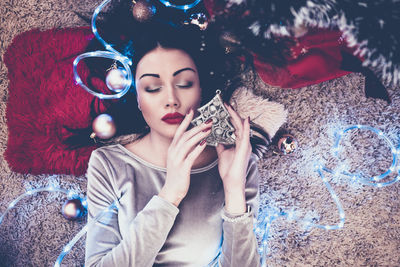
<point>267,214</point>
<point>264,222</point>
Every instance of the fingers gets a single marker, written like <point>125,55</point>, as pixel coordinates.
<point>246,129</point>
<point>185,142</point>
<point>195,130</point>
<point>242,130</point>
<point>181,135</point>
<point>192,156</point>
<point>188,145</point>
<point>183,126</point>
<point>236,120</point>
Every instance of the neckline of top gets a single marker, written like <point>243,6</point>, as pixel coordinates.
<point>148,164</point>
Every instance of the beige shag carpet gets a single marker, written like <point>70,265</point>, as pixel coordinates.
<point>34,232</point>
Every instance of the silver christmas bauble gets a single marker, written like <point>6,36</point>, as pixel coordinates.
<point>199,19</point>
<point>287,144</point>
<point>116,79</point>
<point>104,126</point>
<point>143,10</point>
<point>73,209</point>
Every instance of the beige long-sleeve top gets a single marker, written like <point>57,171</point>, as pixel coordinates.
<point>147,230</point>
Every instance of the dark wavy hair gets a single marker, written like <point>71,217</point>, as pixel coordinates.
<point>217,70</point>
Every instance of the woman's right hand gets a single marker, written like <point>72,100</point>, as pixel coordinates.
<point>185,147</point>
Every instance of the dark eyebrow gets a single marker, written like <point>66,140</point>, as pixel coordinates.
<point>149,74</point>
<point>179,71</point>
<point>174,74</point>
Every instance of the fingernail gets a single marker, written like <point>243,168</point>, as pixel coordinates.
<point>203,142</point>
<point>206,130</point>
<point>208,121</point>
<point>190,110</point>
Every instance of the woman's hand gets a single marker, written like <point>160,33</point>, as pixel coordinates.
<point>233,164</point>
<point>185,147</point>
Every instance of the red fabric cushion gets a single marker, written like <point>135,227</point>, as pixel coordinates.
<point>316,57</point>
<point>43,99</point>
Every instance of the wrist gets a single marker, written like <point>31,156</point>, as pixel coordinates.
<point>235,201</point>
<point>234,190</point>
<point>170,197</point>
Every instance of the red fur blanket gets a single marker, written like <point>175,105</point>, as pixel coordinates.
<point>43,97</point>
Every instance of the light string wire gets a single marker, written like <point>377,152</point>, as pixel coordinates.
<point>111,54</point>
<point>50,188</point>
<point>67,248</point>
<point>106,45</point>
<point>182,7</point>
<point>268,215</point>
<point>105,54</point>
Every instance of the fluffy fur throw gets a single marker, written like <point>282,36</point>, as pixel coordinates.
<point>43,99</point>
<point>267,114</point>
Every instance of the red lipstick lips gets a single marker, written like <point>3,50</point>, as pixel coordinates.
<point>173,118</point>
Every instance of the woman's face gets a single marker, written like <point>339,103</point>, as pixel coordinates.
<point>168,86</point>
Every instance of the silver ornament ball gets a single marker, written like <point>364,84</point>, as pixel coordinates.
<point>116,79</point>
<point>73,209</point>
<point>143,10</point>
<point>287,144</point>
<point>104,126</point>
<point>199,19</point>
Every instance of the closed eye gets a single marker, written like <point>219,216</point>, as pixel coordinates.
<point>186,85</point>
<point>150,90</point>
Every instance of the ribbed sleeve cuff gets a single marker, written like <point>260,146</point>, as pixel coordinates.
<point>228,217</point>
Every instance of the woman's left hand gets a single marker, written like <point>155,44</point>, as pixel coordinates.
<point>233,164</point>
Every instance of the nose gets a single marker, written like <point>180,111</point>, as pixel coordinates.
<point>172,99</point>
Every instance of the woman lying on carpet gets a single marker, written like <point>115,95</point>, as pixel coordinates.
<point>180,202</point>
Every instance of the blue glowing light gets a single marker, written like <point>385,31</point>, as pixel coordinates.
<point>266,217</point>
<point>104,54</point>
<point>182,7</point>
<point>50,188</point>
<point>111,54</point>
<point>374,180</point>
<point>82,232</point>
